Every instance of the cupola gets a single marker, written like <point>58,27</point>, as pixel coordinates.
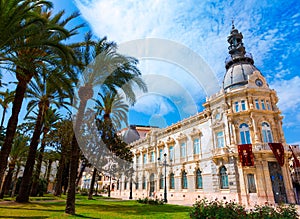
<point>239,64</point>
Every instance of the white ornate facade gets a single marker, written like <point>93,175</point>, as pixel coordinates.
<point>203,150</point>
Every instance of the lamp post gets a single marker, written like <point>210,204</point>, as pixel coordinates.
<point>130,183</point>
<point>165,186</point>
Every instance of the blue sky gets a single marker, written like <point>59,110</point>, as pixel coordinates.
<point>271,32</point>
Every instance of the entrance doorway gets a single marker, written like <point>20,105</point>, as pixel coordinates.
<point>152,185</point>
<point>277,182</point>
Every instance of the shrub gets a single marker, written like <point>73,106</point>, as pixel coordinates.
<point>269,212</point>
<point>84,191</point>
<point>204,209</point>
<point>151,201</point>
<point>217,209</point>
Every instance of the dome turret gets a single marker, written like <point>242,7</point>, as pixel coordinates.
<point>238,64</point>
<point>131,135</point>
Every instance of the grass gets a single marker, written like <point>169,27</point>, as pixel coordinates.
<point>99,207</point>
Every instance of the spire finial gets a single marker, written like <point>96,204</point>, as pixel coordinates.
<point>232,22</point>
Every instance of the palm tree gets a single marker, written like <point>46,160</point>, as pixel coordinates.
<point>111,106</point>
<point>60,138</point>
<point>50,157</point>
<point>110,70</point>
<point>49,88</point>
<point>8,97</point>
<point>50,119</point>
<point>16,157</point>
<point>29,60</point>
<point>18,19</point>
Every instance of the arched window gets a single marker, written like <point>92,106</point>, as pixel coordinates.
<point>266,133</point>
<point>245,134</point>
<point>172,181</point>
<point>223,178</point>
<point>161,181</point>
<point>199,180</point>
<point>184,180</point>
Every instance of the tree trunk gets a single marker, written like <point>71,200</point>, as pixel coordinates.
<point>49,170</point>
<point>15,179</point>
<point>66,178</point>
<point>34,187</point>
<point>12,126</point>
<point>92,184</point>
<point>23,195</point>
<point>74,161</point>
<point>70,204</point>
<point>7,181</point>
<point>59,174</point>
<point>81,172</point>
<point>3,117</point>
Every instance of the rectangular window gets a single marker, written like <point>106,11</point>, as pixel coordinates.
<point>183,149</point>
<point>196,146</point>
<point>263,105</point>
<point>220,139</point>
<point>144,182</point>
<point>270,138</point>
<point>161,154</point>
<point>243,105</point>
<point>172,181</point>
<point>268,105</point>
<point>251,183</point>
<point>152,156</point>
<point>161,182</point>
<point>171,154</point>
<point>145,158</point>
<point>257,104</point>
<point>236,106</point>
<point>267,136</point>
<point>137,185</point>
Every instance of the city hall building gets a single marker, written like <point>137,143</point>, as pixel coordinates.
<point>234,150</point>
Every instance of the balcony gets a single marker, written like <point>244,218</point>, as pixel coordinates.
<point>149,166</point>
<point>265,147</point>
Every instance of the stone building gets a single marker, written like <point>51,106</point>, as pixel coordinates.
<point>233,150</point>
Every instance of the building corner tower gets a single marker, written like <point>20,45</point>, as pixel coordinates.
<point>247,129</point>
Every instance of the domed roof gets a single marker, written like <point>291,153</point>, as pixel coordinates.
<point>237,74</point>
<point>239,65</point>
<point>131,135</point>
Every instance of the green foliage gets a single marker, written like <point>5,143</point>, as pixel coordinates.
<point>270,212</point>
<point>217,209</point>
<point>99,207</point>
<point>84,192</point>
<point>42,186</point>
<point>204,209</point>
<point>150,201</point>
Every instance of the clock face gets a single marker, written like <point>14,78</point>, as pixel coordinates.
<point>259,82</point>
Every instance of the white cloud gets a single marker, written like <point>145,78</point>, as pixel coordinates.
<point>151,104</point>
<point>203,27</point>
<point>288,93</point>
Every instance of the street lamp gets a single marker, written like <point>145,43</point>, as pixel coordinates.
<point>165,165</point>
<point>130,183</point>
